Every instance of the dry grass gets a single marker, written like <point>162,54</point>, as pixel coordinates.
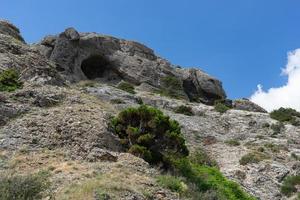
<point>115,183</point>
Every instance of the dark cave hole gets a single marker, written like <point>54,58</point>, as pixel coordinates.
<point>95,67</point>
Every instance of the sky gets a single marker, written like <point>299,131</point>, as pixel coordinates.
<point>243,43</point>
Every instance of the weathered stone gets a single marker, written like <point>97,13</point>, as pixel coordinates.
<point>71,34</point>
<point>47,100</point>
<point>97,154</point>
<point>7,28</point>
<point>201,87</point>
<point>95,56</point>
<point>245,104</point>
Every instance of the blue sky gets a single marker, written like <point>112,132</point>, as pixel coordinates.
<point>241,42</point>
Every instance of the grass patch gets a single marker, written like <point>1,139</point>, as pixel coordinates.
<point>9,80</point>
<point>200,157</point>
<point>173,183</point>
<point>221,108</point>
<point>288,187</point>
<point>254,157</point>
<point>275,148</point>
<point>232,142</point>
<point>125,86</point>
<point>186,110</point>
<point>20,187</point>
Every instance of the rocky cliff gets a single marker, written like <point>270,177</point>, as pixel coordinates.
<point>59,120</point>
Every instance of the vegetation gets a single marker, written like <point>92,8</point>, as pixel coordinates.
<point>221,107</point>
<point>232,142</point>
<point>9,80</point>
<point>200,157</point>
<point>286,115</point>
<point>209,181</point>
<point>277,128</point>
<point>171,87</point>
<point>288,187</point>
<point>275,148</point>
<point>173,183</point>
<point>20,187</point>
<point>293,155</point>
<point>126,87</point>
<point>186,110</point>
<point>254,157</point>
<point>117,101</point>
<point>149,134</point>
<point>146,132</point>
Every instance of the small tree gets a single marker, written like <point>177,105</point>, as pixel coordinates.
<point>148,133</point>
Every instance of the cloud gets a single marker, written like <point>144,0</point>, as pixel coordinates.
<point>287,95</point>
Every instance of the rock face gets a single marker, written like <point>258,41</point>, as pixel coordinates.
<point>201,87</point>
<point>94,56</point>
<point>14,53</point>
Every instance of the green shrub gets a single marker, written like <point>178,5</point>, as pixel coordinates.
<point>186,110</point>
<point>9,80</point>
<point>265,125</point>
<point>200,157</point>
<point>221,108</point>
<point>20,187</point>
<point>210,179</point>
<point>126,87</point>
<point>274,147</point>
<point>288,187</point>
<point>171,87</point>
<point>277,128</point>
<point>148,133</point>
<point>232,142</point>
<point>139,100</point>
<point>254,157</point>
<point>286,115</point>
<point>173,183</point>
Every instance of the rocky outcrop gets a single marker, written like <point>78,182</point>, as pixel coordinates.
<point>7,28</point>
<point>245,104</point>
<point>31,64</point>
<point>94,56</point>
<point>201,87</point>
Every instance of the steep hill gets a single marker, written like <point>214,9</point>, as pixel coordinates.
<point>74,83</point>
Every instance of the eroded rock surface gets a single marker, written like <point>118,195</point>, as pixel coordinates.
<point>93,56</point>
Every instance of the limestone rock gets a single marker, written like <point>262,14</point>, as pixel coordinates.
<point>94,56</point>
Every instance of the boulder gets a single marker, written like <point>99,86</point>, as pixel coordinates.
<point>246,104</point>
<point>201,87</point>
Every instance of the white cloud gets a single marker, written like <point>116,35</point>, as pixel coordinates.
<point>287,95</point>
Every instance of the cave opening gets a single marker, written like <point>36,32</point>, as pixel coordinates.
<point>96,66</point>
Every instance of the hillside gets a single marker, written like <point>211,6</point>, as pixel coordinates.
<point>72,84</point>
